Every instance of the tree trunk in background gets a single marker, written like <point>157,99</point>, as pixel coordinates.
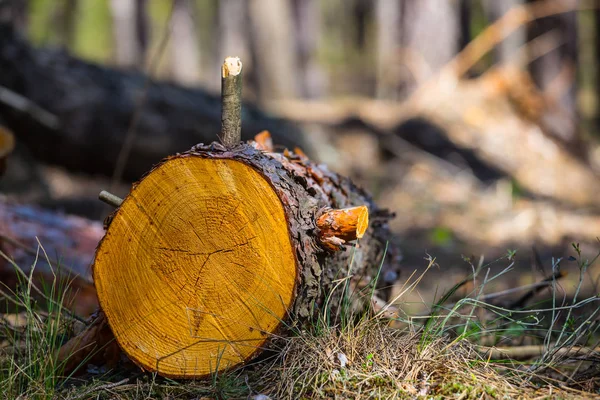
<point>142,29</point>
<point>308,23</point>
<point>15,12</point>
<point>509,48</point>
<point>129,38</point>
<point>431,29</point>
<point>555,71</point>
<point>597,69</point>
<point>185,57</point>
<point>65,21</point>
<point>272,45</point>
<point>387,16</point>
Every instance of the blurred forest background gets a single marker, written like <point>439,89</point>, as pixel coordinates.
<point>475,121</point>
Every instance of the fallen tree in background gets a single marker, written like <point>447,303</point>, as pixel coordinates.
<point>55,247</point>
<point>499,117</point>
<point>94,108</point>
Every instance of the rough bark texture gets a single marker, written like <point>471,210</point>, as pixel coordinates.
<point>306,189</point>
<point>95,106</point>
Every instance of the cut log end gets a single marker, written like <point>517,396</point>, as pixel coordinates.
<point>231,66</point>
<point>336,227</point>
<point>197,267</point>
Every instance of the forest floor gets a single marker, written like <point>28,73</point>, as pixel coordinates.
<point>466,345</point>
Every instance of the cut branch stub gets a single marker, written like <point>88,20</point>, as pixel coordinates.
<point>263,141</point>
<point>336,227</point>
<point>110,199</point>
<point>231,101</point>
<point>215,248</point>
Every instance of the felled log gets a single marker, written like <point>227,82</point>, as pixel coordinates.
<point>95,107</point>
<point>499,117</point>
<point>218,249</point>
<point>60,248</point>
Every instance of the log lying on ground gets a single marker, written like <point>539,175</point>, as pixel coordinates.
<point>95,107</point>
<point>499,116</point>
<point>68,242</point>
<point>218,249</point>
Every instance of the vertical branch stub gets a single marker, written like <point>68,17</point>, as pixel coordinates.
<point>231,101</point>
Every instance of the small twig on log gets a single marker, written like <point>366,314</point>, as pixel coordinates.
<point>110,199</point>
<point>231,102</point>
<point>337,227</point>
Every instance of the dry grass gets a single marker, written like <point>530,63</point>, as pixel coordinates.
<point>382,362</point>
<point>363,356</point>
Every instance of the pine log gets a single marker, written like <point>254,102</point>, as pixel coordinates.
<point>60,248</point>
<point>95,106</point>
<point>218,249</point>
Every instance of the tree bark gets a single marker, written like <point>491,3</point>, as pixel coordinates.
<point>241,244</point>
<point>95,106</point>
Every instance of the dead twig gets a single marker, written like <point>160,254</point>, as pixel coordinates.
<point>527,352</point>
<point>106,386</point>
